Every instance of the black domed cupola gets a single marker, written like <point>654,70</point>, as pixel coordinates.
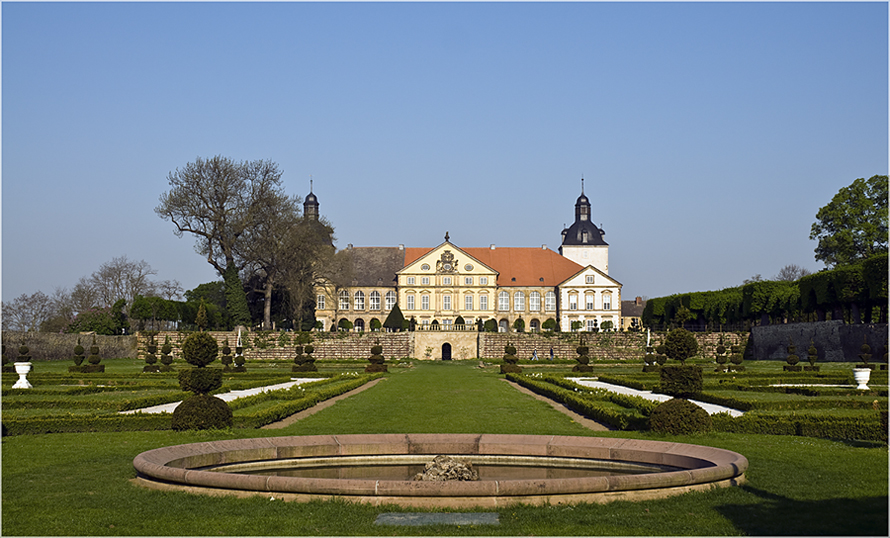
<point>583,231</point>
<point>310,206</point>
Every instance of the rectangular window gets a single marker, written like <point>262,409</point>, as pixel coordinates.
<point>446,323</point>
<point>426,324</point>
<point>319,302</point>
<point>446,281</point>
<point>410,299</point>
<point>519,302</point>
<point>483,302</point>
<point>446,302</point>
<point>468,281</point>
<point>589,301</point>
<point>590,279</point>
<point>468,302</point>
<point>410,280</point>
<point>591,325</point>
<point>424,281</point>
<point>534,302</point>
<point>483,280</point>
<point>390,300</point>
<point>607,302</point>
<point>573,302</point>
<point>424,302</point>
<point>359,301</point>
<point>504,301</point>
<point>550,301</point>
<point>375,301</point>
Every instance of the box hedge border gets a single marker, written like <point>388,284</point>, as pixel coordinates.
<point>162,421</point>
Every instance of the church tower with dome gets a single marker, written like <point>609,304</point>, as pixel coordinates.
<point>582,242</point>
<point>310,205</point>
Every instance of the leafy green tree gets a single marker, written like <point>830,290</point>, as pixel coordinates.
<point>236,301</point>
<point>853,226</point>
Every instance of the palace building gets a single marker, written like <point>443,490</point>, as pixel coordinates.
<point>449,287</point>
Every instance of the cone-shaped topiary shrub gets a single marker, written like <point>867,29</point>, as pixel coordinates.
<point>510,360</point>
<point>201,411</point>
<point>679,417</point>
<point>376,359</point>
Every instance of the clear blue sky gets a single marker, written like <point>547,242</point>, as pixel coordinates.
<point>708,134</point>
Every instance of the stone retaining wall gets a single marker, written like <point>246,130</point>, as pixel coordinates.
<point>464,345</point>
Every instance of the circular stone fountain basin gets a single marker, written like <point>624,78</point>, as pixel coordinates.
<point>215,468</point>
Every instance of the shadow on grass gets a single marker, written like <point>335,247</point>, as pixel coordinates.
<point>781,516</point>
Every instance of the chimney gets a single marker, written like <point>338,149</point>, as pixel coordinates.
<point>543,247</point>
<point>492,247</point>
<point>401,247</point>
<point>638,301</point>
<point>349,246</point>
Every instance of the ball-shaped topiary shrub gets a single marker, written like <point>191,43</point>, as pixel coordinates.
<point>377,360</point>
<point>78,353</point>
<point>202,412</point>
<point>510,360</point>
<point>680,345</point>
<point>199,349</point>
<point>24,354</point>
<point>679,417</point>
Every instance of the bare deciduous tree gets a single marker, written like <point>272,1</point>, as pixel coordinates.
<point>122,278</point>
<point>218,200</point>
<point>26,312</point>
<point>792,272</point>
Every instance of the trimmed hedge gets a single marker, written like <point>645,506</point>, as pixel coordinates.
<point>802,425</point>
<point>87,423</point>
<point>297,401</point>
<point>590,406</point>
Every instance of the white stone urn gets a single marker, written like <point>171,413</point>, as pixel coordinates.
<point>860,375</point>
<point>22,368</point>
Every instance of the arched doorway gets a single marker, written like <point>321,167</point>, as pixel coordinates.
<point>446,351</point>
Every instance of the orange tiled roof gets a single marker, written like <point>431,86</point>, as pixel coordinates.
<point>528,265</point>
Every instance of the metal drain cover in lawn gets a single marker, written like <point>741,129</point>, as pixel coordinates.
<point>414,519</point>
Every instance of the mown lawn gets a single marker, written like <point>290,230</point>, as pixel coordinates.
<point>78,484</point>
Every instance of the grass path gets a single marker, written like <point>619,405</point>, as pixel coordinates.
<point>78,484</point>
<point>439,397</point>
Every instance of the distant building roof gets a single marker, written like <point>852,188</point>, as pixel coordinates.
<point>516,266</point>
<point>376,266</point>
<point>633,309</point>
